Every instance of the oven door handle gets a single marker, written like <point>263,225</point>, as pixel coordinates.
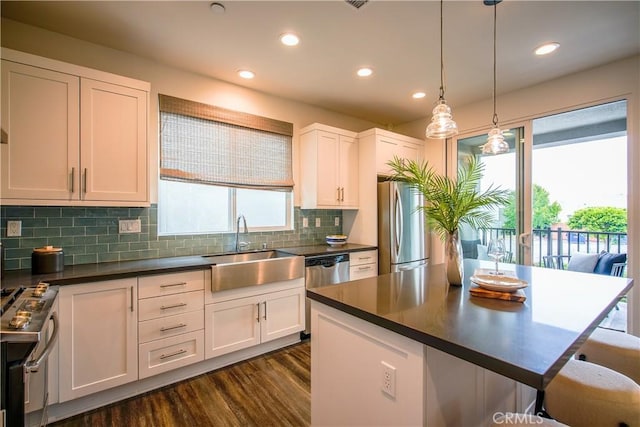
<point>34,365</point>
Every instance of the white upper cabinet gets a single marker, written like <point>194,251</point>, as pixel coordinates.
<point>387,144</point>
<point>329,168</point>
<point>113,133</point>
<point>71,135</point>
<point>40,134</point>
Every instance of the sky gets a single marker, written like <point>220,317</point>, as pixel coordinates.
<point>575,175</point>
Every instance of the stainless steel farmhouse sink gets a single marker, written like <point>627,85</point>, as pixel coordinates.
<point>244,269</point>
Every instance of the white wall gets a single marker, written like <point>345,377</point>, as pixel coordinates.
<point>617,80</point>
<point>174,82</point>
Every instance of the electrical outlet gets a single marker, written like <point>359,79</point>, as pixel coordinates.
<point>305,222</point>
<point>388,379</point>
<point>129,226</point>
<point>14,228</point>
<point>318,222</point>
<point>336,221</point>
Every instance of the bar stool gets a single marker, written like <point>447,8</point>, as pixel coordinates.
<point>586,394</point>
<point>613,349</point>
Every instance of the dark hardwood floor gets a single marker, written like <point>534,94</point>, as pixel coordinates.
<point>269,390</point>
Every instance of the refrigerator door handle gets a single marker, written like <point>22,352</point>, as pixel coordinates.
<point>399,225</point>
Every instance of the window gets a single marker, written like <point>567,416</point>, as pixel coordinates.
<point>216,164</point>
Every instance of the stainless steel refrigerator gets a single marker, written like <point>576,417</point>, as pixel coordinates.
<point>403,241</point>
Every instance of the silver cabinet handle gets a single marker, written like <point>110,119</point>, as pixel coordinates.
<point>366,267</point>
<point>364,257</point>
<point>173,284</point>
<point>169,328</point>
<point>131,297</point>
<point>342,194</point>
<point>167,307</point>
<point>338,194</point>
<point>84,181</point>
<point>176,353</point>
<point>265,310</point>
<point>73,180</point>
<point>258,318</point>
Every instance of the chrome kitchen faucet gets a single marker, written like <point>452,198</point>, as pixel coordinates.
<point>241,245</point>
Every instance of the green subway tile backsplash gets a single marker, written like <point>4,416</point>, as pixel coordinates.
<point>89,235</point>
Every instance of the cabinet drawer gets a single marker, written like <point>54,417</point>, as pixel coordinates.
<point>363,257</point>
<point>362,271</point>
<point>169,305</point>
<point>170,353</point>
<point>170,325</point>
<point>166,284</point>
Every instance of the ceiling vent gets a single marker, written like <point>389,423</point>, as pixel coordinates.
<point>357,3</point>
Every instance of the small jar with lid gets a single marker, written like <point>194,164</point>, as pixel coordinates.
<point>47,259</point>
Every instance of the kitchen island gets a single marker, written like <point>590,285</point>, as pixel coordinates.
<point>408,349</point>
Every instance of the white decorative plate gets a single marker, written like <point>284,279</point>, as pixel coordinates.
<point>498,283</point>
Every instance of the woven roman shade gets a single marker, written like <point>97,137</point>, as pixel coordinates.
<point>205,144</point>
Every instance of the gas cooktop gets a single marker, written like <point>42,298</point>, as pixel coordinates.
<point>25,312</point>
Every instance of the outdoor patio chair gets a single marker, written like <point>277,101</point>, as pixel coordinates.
<point>556,261</point>
<point>604,263</point>
<point>618,269</point>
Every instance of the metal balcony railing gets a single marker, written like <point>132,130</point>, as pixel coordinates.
<point>560,242</point>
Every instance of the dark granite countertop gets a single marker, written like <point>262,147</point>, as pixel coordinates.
<point>528,342</point>
<point>84,273</point>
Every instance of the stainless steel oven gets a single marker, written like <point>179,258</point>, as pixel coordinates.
<point>323,270</point>
<point>25,345</point>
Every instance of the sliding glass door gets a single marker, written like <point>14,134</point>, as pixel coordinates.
<point>567,174</point>
<point>508,172</point>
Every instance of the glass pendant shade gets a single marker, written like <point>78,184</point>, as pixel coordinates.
<point>495,143</point>
<point>442,124</point>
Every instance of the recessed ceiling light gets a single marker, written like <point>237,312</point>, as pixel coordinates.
<point>217,8</point>
<point>289,39</point>
<point>419,95</point>
<point>365,72</point>
<point>547,48</point>
<point>246,74</point>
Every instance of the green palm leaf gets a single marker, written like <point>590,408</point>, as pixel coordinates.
<point>449,202</point>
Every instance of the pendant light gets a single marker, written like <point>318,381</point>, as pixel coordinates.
<point>442,124</point>
<point>495,142</point>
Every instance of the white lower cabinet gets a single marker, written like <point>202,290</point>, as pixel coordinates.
<point>171,321</point>
<point>246,321</point>
<point>170,353</point>
<point>98,337</point>
<point>119,332</point>
<point>363,264</point>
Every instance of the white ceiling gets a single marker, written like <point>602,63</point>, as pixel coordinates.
<point>398,39</point>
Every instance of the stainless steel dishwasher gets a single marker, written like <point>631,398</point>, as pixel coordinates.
<point>322,270</point>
